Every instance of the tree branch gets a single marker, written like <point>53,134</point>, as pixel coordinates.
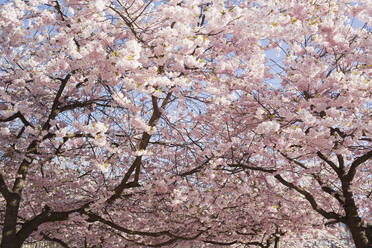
<point>354,166</point>
<point>253,168</point>
<point>330,163</point>
<point>328,190</point>
<point>341,162</point>
<point>15,116</point>
<point>221,243</point>
<point>142,146</point>
<point>55,240</point>
<point>306,194</point>
<point>45,216</point>
<point>294,160</point>
<point>129,24</point>
<point>309,198</point>
<point>92,217</point>
<point>76,104</point>
<point>3,188</point>
<point>54,110</point>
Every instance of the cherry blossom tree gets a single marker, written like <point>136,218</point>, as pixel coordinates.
<point>150,123</point>
<point>311,137</point>
<point>99,132</point>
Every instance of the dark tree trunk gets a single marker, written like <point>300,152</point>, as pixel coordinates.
<point>276,244</point>
<point>353,221</point>
<point>9,238</point>
<point>10,242</point>
<point>358,233</point>
<point>359,236</point>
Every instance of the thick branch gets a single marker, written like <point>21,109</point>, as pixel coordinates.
<point>354,166</point>
<point>306,194</point>
<point>45,216</point>
<point>94,217</point>
<point>341,162</point>
<point>22,173</point>
<point>328,190</point>
<point>136,165</point>
<point>309,198</point>
<point>15,116</point>
<point>124,182</point>
<point>3,188</point>
<point>330,163</point>
<point>54,110</point>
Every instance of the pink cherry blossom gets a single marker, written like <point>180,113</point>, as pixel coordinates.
<point>185,123</point>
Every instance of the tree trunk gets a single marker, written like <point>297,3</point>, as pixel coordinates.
<point>10,242</point>
<point>353,221</point>
<point>9,238</point>
<point>358,233</point>
<point>276,244</point>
